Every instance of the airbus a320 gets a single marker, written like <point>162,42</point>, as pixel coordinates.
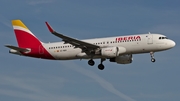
<point>118,49</point>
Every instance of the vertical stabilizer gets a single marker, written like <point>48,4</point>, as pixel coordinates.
<point>25,38</point>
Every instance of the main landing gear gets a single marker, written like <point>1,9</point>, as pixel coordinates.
<point>91,62</point>
<point>152,57</point>
<point>100,66</point>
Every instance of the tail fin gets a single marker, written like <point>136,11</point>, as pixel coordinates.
<point>25,38</point>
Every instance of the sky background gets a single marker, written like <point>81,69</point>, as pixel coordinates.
<point>30,79</point>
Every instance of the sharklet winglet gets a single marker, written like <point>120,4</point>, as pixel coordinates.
<point>49,27</point>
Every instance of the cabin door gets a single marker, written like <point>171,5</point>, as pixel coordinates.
<point>149,39</point>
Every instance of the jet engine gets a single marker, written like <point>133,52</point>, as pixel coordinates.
<point>111,52</point>
<point>123,59</point>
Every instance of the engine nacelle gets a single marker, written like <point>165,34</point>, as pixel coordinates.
<point>111,52</point>
<point>123,59</point>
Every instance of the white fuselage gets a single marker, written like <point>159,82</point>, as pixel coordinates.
<point>117,49</point>
<point>147,43</point>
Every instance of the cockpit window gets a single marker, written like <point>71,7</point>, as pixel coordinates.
<point>163,38</point>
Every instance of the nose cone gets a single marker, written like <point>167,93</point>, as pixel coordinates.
<point>172,44</point>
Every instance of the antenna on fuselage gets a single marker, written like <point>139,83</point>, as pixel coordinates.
<point>149,32</point>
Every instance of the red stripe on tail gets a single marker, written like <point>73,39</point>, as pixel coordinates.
<point>27,40</point>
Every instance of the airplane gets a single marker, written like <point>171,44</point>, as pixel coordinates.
<point>118,49</point>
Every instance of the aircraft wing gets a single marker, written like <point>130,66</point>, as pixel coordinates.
<point>85,46</point>
<point>17,48</point>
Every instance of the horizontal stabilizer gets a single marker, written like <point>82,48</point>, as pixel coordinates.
<point>17,48</point>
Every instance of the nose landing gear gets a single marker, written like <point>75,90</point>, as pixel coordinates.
<point>152,57</point>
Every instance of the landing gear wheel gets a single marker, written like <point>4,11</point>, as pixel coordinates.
<point>101,66</point>
<point>152,57</point>
<point>91,62</point>
<point>153,60</point>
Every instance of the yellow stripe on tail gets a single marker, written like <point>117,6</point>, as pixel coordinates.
<point>19,23</point>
